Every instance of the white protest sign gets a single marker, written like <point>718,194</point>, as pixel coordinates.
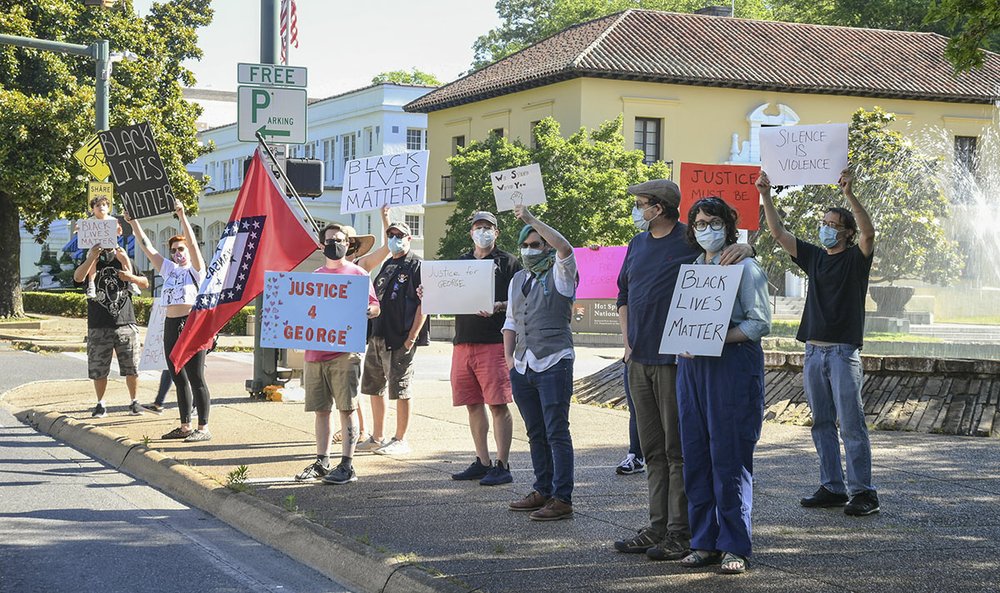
<point>93,231</point>
<point>457,287</point>
<point>804,155</point>
<point>520,185</point>
<point>700,309</point>
<point>153,358</point>
<point>391,179</point>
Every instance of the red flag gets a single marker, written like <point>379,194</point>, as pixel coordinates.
<point>263,234</point>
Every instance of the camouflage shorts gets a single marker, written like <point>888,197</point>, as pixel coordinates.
<point>102,341</point>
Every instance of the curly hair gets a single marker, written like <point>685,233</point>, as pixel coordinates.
<point>848,221</point>
<point>713,206</point>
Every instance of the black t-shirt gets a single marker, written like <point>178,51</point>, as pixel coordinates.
<point>835,303</point>
<point>473,329</point>
<point>396,287</point>
<point>113,305</point>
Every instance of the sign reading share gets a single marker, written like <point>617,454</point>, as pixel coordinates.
<point>275,105</point>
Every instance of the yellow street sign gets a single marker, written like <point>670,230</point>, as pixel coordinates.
<point>98,189</point>
<point>91,156</point>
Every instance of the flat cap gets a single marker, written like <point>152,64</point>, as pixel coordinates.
<point>662,189</point>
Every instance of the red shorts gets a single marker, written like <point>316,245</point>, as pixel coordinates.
<point>479,375</point>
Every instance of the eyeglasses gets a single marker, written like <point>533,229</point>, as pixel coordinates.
<point>176,249</point>
<point>395,235</point>
<point>832,225</point>
<point>641,206</point>
<point>532,245</point>
<point>716,224</point>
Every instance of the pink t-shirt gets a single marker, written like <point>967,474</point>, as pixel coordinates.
<point>348,269</point>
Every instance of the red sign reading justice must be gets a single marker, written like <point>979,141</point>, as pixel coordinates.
<point>732,183</point>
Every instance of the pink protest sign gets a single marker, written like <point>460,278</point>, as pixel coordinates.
<point>599,271</point>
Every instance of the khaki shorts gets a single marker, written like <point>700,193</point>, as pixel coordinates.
<point>332,382</point>
<point>392,368</point>
<point>102,341</point>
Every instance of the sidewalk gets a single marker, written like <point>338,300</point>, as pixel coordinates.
<point>939,529</point>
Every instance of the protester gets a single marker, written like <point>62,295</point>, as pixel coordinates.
<point>394,336</point>
<point>182,275</point>
<point>479,375</point>
<point>645,290</point>
<point>111,324</point>
<point>334,377</point>
<point>832,328</point>
<point>100,209</point>
<point>720,403</point>
<point>538,347</point>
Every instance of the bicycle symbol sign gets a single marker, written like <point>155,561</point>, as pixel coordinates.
<point>91,156</point>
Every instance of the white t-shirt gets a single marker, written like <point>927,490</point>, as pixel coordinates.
<point>180,284</point>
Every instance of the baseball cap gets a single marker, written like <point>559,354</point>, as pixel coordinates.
<point>483,215</point>
<point>401,227</point>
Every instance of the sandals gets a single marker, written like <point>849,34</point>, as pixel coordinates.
<point>699,558</point>
<point>733,564</point>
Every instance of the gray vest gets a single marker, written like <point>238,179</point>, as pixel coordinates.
<point>543,320</point>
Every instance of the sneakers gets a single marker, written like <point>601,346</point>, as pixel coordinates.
<point>99,411</point>
<point>531,502</point>
<point>340,475</point>
<point>178,433</point>
<point>499,474</point>
<point>631,465</point>
<point>198,435</point>
<point>823,498</point>
<point>393,447</point>
<point>91,291</point>
<point>672,547</point>
<point>134,408</point>
<point>554,510</point>
<point>371,444</point>
<point>645,540</point>
<point>862,504</point>
<point>313,471</point>
<point>476,471</point>
<point>154,408</point>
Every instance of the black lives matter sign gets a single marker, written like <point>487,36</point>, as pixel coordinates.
<point>137,170</point>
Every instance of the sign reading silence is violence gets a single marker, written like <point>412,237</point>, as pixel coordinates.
<point>804,155</point>
<point>733,183</point>
<point>137,170</point>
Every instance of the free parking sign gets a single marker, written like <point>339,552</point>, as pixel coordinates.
<point>271,100</point>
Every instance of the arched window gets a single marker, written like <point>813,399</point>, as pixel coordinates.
<point>749,150</point>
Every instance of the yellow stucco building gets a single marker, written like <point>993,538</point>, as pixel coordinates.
<point>696,88</point>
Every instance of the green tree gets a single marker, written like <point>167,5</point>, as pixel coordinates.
<point>414,76</point>
<point>47,109</point>
<point>974,24</point>
<point>586,176</point>
<point>899,188</point>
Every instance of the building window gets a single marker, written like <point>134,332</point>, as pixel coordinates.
<point>415,138</point>
<point>532,142</point>
<point>329,150</point>
<point>496,133</point>
<point>413,221</point>
<point>447,189</point>
<point>369,138</point>
<point>456,143</point>
<point>965,152</point>
<point>349,149</point>
<point>227,174</point>
<point>647,138</point>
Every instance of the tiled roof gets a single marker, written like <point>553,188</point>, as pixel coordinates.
<point>733,53</point>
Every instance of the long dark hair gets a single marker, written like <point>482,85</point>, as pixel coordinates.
<point>713,206</point>
<point>848,221</point>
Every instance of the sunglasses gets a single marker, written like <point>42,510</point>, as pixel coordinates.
<point>395,235</point>
<point>532,245</point>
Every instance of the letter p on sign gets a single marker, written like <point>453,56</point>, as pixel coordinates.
<point>261,99</point>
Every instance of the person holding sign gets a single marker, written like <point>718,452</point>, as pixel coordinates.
<point>182,275</point>
<point>100,208</point>
<point>538,347</point>
<point>645,290</point>
<point>832,327</point>
<point>720,402</point>
<point>392,342</point>
<point>334,378</point>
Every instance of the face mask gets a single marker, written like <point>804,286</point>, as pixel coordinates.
<point>395,245</point>
<point>335,250</point>
<point>828,236</point>
<point>180,258</point>
<point>484,238</point>
<point>711,241</point>
<point>638,218</point>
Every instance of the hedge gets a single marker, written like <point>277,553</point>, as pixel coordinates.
<point>74,304</point>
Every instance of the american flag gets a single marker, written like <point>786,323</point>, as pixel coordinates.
<point>289,28</point>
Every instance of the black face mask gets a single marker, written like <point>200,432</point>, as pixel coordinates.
<point>335,250</point>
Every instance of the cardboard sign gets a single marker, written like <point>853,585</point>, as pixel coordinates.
<point>804,155</point>
<point>520,185</point>
<point>700,309</point>
<point>458,287</point>
<point>153,357</point>
<point>315,311</point>
<point>733,183</point>
<point>139,175</point>
<point>393,179</point>
<point>92,231</point>
<point>91,156</point>
<point>598,270</point>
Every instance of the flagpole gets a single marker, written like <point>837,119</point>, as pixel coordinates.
<point>288,182</point>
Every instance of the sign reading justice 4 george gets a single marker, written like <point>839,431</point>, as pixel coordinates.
<point>314,311</point>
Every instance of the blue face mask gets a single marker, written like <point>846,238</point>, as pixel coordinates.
<point>828,236</point>
<point>395,245</point>
<point>711,240</point>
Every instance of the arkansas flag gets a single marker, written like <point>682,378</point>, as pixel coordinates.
<point>263,234</point>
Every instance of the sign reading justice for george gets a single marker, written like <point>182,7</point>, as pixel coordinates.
<point>388,180</point>
<point>314,311</point>
<point>804,155</point>
<point>457,287</point>
<point>700,310</point>
<point>138,172</point>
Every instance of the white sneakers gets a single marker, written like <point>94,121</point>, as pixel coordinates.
<point>394,447</point>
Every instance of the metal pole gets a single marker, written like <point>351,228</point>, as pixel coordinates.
<point>288,182</point>
<point>102,69</point>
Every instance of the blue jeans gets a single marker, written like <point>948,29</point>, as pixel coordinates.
<point>832,378</point>
<point>633,431</point>
<point>543,400</point>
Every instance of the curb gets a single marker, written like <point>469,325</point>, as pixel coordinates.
<point>332,554</point>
